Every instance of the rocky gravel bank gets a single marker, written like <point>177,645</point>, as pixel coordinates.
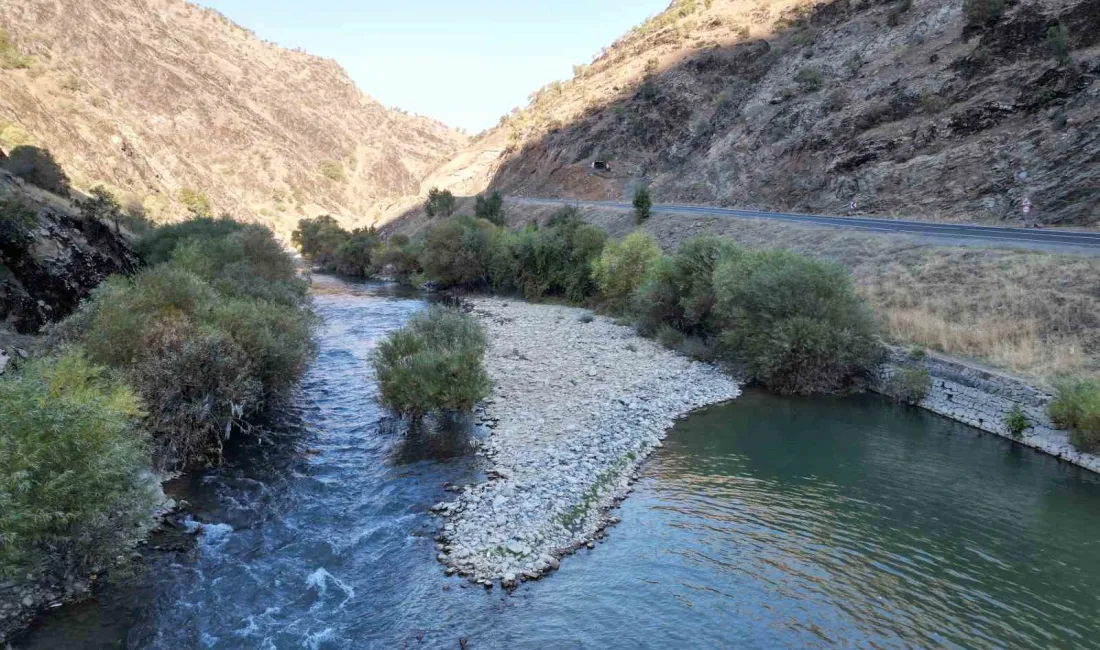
<point>577,405</point>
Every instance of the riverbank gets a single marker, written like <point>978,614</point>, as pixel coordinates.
<point>578,404</point>
<point>984,399</point>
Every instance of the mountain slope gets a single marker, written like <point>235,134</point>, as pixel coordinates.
<point>905,107</point>
<point>161,100</point>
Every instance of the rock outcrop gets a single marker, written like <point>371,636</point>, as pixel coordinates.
<point>901,107</point>
<point>52,258</point>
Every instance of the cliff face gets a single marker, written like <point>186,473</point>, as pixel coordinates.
<point>51,257</point>
<point>164,102</point>
<point>907,108</point>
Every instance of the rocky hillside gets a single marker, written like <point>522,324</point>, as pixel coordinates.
<point>934,109</point>
<point>51,257</point>
<point>169,105</point>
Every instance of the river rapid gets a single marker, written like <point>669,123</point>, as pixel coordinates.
<point>767,522</point>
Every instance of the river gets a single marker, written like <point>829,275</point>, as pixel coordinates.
<point>768,522</point>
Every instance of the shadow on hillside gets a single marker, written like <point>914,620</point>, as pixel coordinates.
<point>801,121</point>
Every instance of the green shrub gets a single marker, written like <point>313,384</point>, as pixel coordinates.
<point>333,170</point>
<point>642,204</point>
<point>794,323</point>
<point>247,263</point>
<point>490,208</point>
<point>318,239</point>
<point>1057,43</point>
<point>457,252</point>
<point>981,13</point>
<point>440,203</point>
<point>1016,422</point>
<point>556,260</point>
<point>623,266</point>
<point>432,364</point>
<point>159,245</point>
<point>197,203</point>
<point>909,385</point>
<point>101,205</point>
<point>809,79</point>
<point>38,167</point>
<point>398,258</point>
<point>680,292</point>
<point>10,56</point>
<point>1076,407</point>
<point>354,257</point>
<point>205,338</point>
<point>16,222</point>
<point>670,337</point>
<point>74,484</point>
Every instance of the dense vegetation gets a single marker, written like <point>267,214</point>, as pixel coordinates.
<point>434,363</point>
<point>154,370</point>
<point>74,479</point>
<point>214,328</point>
<point>790,322</point>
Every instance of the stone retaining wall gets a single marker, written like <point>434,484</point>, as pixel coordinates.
<point>983,399</point>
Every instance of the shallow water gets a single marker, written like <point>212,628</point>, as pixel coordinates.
<point>769,522</point>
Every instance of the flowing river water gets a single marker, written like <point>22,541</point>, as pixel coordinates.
<point>769,522</point>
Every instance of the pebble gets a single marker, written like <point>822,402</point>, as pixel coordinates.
<point>576,414</point>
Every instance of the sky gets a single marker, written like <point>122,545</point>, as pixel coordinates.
<point>465,62</point>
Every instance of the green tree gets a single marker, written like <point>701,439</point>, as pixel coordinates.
<point>623,266</point>
<point>38,167</point>
<point>440,203</point>
<point>318,239</point>
<point>642,203</point>
<point>101,205</point>
<point>490,208</point>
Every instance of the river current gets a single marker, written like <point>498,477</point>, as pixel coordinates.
<point>770,522</point>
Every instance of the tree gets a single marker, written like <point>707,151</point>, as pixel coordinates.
<point>38,167</point>
<point>101,205</point>
<point>642,203</point>
<point>491,209</point>
<point>441,203</point>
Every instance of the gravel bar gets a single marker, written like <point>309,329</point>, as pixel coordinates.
<point>576,408</point>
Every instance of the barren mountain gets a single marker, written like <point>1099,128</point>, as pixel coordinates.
<point>166,103</point>
<point>934,109</point>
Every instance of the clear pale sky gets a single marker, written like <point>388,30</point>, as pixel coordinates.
<point>466,62</point>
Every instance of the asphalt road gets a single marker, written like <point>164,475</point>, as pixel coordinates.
<point>962,234</point>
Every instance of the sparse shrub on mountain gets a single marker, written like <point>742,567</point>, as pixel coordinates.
<point>197,203</point>
<point>1057,43</point>
<point>809,79</point>
<point>10,57</point>
<point>982,13</point>
<point>434,363</point>
<point>38,167</point>
<point>16,222</point>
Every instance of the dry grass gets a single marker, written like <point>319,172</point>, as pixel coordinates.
<point>1030,313</point>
